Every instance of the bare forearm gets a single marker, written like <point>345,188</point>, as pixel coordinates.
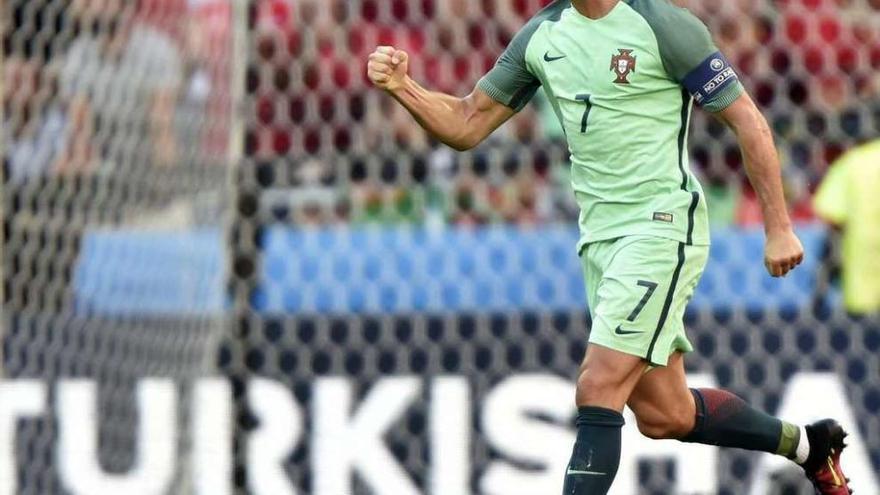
<point>444,116</point>
<point>461,123</point>
<point>783,251</point>
<point>764,172</point>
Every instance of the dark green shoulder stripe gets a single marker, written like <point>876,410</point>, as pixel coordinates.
<point>683,39</point>
<point>510,81</point>
<point>516,50</point>
<point>551,13</point>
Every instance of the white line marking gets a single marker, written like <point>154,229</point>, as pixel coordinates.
<point>591,473</point>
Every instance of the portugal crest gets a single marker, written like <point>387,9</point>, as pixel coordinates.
<point>622,64</point>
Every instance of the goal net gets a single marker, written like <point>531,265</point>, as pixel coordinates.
<point>436,299</point>
<point>117,117</point>
<point>403,319</point>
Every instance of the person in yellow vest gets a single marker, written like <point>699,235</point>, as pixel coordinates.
<point>848,199</point>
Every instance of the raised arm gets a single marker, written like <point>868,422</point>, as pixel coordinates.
<point>461,123</point>
<point>783,251</point>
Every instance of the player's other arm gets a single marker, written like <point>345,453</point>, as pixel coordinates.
<point>783,250</point>
<point>461,123</point>
<point>693,59</point>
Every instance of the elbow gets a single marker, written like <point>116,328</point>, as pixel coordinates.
<point>751,123</point>
<point>463,143</point>
<point>760,124</point>
<point>751,130</point>
<point>469,129</point>
<point>745,119</point>
<point>762,131</point>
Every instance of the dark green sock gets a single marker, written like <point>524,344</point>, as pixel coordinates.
<point>596,454</point>
<point>725,420</point>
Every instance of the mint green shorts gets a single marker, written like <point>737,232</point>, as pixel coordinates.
<point>638,288</point>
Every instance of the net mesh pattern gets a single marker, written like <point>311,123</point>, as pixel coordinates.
<point>116,120</point>
<point>354,156</point>
<point>117,117</point>
<point>489,348</point>
<point>324,151</point>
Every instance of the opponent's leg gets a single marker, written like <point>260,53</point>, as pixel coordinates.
<point>606,379</point>
<point>666,408</point>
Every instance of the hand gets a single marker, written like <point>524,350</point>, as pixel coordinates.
<point>783,253</point>
<point>388,68</point>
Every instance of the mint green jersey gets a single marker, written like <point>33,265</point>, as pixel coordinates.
<point>623,87</point>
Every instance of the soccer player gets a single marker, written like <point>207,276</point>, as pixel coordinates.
<point>622,76</point>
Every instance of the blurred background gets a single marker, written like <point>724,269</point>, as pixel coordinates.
<point>196,189</point>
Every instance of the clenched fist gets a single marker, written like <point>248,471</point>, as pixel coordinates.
<point>388,68</point>
<point>783,253</point>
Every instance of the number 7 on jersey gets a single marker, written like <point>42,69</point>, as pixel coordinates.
<point>589,106</point>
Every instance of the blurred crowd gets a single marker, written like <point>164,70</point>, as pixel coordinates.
<point>104,87</point>
<point>116,86</point>
<point>352,155</point>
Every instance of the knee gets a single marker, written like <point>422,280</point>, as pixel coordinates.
<point>607,378</point>
<point>666,426</point>
<point>597,388</point>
